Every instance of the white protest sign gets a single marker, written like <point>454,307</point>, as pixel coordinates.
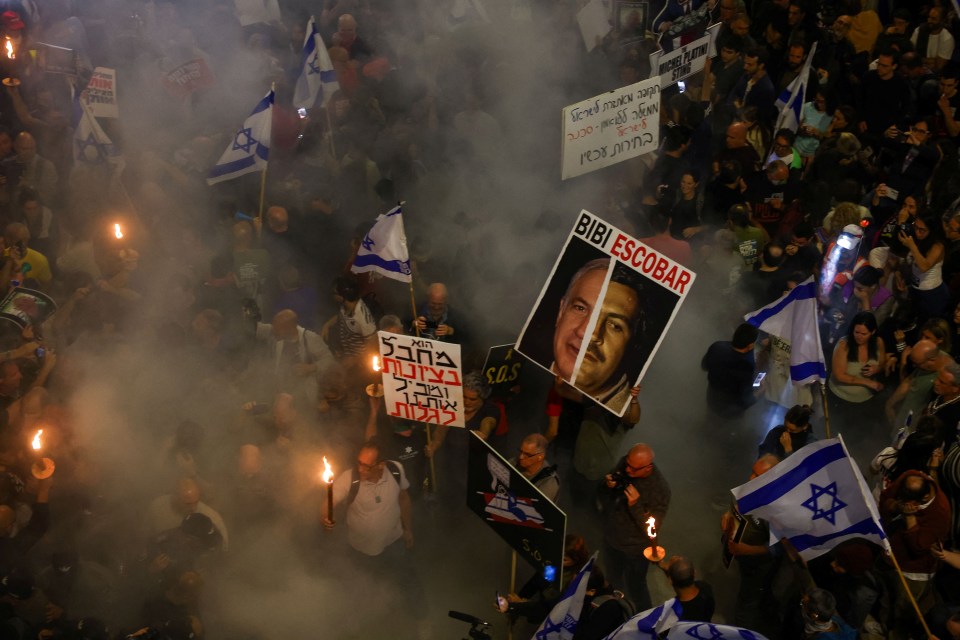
<point>594,21</point>
<point>422,379</point>
<point>673,66</point>
<point>611,128</point>
<point>100,96</point>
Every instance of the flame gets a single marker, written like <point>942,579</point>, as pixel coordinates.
<point>9,46</point>
<point>37,444</point>
<point>376,363</point>
<point>327,471</point>
<point>116,231</point>
<point>651,528</point>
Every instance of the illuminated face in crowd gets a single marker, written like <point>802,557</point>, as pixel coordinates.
<point>611,335</point>
<point>575,310</point>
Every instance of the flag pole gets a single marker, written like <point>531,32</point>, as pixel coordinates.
<point>906,588</point>
<point>333,148</point>
<point>263,176</point>
<point>826,412</point>
<point>416,328</point>
<point>513,587</point>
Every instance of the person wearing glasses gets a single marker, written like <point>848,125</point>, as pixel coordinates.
<point>531,461</point>
<point>634,491</point>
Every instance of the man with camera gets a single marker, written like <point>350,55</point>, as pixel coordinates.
<point>631,493</point>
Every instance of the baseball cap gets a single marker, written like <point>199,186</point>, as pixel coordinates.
<point>11,21</point>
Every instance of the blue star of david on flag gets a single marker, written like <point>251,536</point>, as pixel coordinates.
<point>715,634</point>
<point>101,151</point>
<point>814,502</point>
<point>244,146</point>
<point>368,243</point>
<point>550,627</point>
<point>317,80</point>
<point>249,149</point>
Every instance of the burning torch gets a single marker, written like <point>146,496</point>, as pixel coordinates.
<point>375,390</point>
<point>653,553</point>
<point>327,477</point>
<point>12,80</point>
<point>42,468</point>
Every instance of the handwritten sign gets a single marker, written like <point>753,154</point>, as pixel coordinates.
<point>611,128</point>
<point>422,379</point>
<point>100,96</point>
<point>673,66</point>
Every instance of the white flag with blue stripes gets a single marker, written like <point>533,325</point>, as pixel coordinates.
<point>90,144</point>
<point>791,99</point>
<point>317,77</point>
<point>384,249</point>
<point>709,631</point>
<point>648,625</point>
<point>793,318</point>
<point>563,619</point>
<point>249,149</point>
<point>816,498</point>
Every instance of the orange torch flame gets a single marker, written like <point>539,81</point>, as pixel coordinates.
<point>376,363</point>
<point>651,528</point>
<point>37,444</point>
<point>9,46</point>
<point>117,232</point>
<point>327,471</point>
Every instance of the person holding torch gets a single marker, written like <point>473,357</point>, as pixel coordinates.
<point>379,520</point>
<point>631,493</point>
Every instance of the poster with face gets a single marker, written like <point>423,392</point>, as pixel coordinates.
<point>604,311</point>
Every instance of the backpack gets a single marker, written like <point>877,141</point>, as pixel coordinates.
<point>392,466</point>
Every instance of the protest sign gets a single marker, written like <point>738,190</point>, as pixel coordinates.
<point>594,22</point>
<point>673,66</point>
<point>25,307</point>
<point>100,96</point>
<point>54,59</point>
<point>604,311</point>
<point>513,507</point>
<point>631,22</point>
<point>189,77</point>
<point>502,368</point>
<point>680,23</point>
<point>611,128</point>
<point>421,379</point>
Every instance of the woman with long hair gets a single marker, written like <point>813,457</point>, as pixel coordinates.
<point>925,245</point>
<point>856,361</point>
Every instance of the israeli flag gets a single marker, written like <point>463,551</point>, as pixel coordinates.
<point>317,77</point>
<point>649,624</point>
<point>708,631</point>
<point>790,101</point>
<point>563,619</point>
<point>90,144</point>
<point>384,249</point>
<point>816,498</point>
<point>250,147</point>
<point>793,318</point>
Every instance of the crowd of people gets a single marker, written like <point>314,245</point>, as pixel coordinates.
<point>164,430</point>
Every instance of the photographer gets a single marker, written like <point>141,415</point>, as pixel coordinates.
<point>632,492</point>
<point>926,247</point>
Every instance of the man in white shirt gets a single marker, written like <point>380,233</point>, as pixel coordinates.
<point>932,41</point>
